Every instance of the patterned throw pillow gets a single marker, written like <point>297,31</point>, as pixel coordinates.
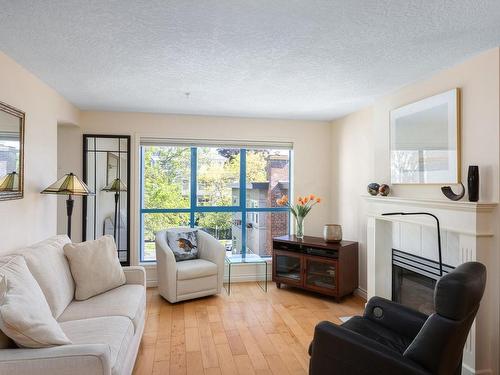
<point>184,243</point>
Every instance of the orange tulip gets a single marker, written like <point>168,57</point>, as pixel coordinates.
<point>318,200</point>
<point>306,199</point>
<point>311,197</point>
<point>300,199</point>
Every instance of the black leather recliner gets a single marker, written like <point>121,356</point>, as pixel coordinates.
<point>392,339</point>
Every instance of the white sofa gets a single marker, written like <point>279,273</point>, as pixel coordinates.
<point>188,279</point>
<point>105,330</point>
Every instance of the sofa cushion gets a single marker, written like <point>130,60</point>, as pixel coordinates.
<point>194,269</point>
<point>126,300</point>
<point>95,266</point>
<point>50,268</point>
<point>115,331</point>
<point>25,315</point>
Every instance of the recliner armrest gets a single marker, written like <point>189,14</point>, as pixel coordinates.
<point>394,316</point>
<point>338,350</point>
<point>58,360</point>
<point>135,275</point>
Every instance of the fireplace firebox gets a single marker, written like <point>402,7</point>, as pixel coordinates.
<point>414,279</point>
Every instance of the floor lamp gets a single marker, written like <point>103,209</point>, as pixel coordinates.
<point>68,185</point>
<point>116,186</point>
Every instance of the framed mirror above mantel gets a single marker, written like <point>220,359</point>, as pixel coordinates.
<point>11,152</point>
<point>106,170</point>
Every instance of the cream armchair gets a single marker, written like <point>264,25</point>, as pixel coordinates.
<point>179,281</point>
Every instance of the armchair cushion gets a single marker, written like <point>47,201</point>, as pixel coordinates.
<point>378,333</point>
<point>183,242</point>
<point>337,350</point>
<point>196,268</point>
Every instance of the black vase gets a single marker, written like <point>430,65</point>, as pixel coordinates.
<point>473,183</point>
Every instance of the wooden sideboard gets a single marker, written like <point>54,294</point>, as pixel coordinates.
<point>314,264</point>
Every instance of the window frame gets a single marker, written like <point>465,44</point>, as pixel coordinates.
<point>195,208</point>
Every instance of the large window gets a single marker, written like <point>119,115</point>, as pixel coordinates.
<point>228,192</point>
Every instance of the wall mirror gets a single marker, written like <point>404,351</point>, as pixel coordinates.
<point>106,168</point>
<point>425,141</point>
<point>11,152</point>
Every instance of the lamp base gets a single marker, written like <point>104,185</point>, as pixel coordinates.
<point>69,210</point>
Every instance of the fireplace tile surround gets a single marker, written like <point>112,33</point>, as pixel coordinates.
<point>469,231</point>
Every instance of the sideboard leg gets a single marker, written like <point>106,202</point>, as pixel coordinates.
<point>278,285</point>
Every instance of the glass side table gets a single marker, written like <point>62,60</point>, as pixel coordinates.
<point>250,258</point>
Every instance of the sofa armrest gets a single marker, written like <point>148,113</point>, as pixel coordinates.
<point>135,275</point>
<point>394,316</point>
<point>58,360</point>
<point>347,352</point>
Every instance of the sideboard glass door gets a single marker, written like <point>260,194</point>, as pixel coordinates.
<point>288,267</point>
<point>321,274</point>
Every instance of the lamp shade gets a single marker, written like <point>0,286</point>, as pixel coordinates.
<point>115,186</point>
<point>68,185</point>
<point>9,182</point>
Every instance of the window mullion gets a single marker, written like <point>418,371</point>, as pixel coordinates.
<point>194,185</point>
<point>243,200</point>
<point>141,215</point>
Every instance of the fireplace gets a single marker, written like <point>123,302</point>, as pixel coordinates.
<point>468,232</point>
<point>414,279</point>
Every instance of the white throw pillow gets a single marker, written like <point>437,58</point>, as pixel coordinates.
<point>95,266</point>
<point>183,242</point>
<point>25,315</point>
<point>50,268</point>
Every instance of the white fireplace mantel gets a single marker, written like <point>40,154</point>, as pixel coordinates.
<point>468,234</point>
<point>435,203</point>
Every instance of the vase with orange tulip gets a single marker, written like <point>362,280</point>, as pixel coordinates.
<point>299,210</point>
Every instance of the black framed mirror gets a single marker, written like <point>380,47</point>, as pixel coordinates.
<point>11,152</point>
<point>106,170</point>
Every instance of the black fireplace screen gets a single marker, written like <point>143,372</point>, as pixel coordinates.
<point>414,279</point>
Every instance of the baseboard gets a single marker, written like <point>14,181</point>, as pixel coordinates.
<point>152,283</point>
<point>361,293</point>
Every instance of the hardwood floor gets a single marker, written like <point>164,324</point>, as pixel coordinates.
<point>249,332</point>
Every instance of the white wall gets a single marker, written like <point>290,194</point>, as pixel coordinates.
<point>311,139</point>
<point>69,159</point>
<point>34,217</point>
<point>479,80</point>
<point>352,170</point>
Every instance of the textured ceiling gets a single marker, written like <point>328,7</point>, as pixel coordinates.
<point>305,59</point>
